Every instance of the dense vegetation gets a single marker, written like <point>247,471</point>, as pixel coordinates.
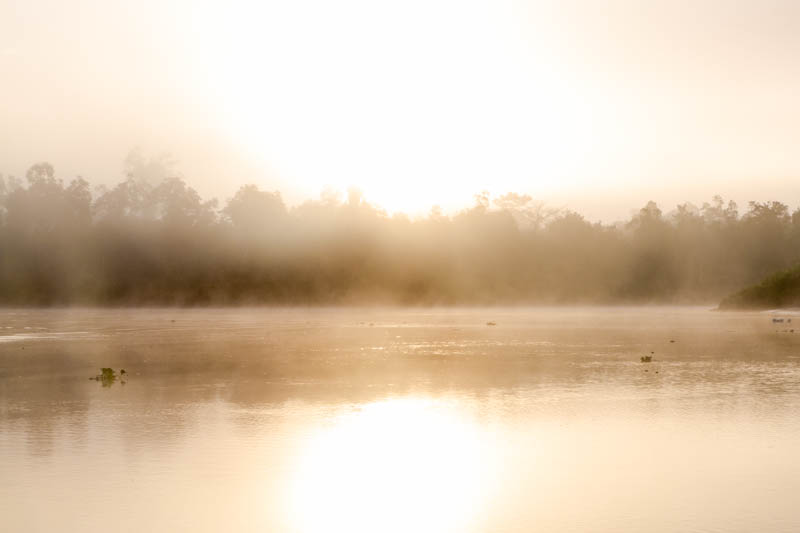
<point>781,289</point>
<point>153,240</point>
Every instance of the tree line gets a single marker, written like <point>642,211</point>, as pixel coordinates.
<point>155,241</point>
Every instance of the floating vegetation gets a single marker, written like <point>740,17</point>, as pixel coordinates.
<point>108,377</point>
<point>646,359</point>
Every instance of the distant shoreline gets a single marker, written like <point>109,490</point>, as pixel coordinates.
<point>780,290</point>
<point>368,305</point>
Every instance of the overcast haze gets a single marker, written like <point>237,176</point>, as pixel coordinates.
<point>599,107</point>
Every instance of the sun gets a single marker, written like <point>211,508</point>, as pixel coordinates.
<point>415,104</point>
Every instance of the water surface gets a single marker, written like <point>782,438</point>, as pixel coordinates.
<point>367,420</point>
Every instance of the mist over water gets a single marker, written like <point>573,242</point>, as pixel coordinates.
<point>152,239</point>
<point>399,419</point>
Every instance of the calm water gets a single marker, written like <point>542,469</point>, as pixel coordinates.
<point>400,420</point>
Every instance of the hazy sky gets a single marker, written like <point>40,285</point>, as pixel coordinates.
<point>599,106</point>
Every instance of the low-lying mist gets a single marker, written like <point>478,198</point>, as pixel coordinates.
<point>155,241</point>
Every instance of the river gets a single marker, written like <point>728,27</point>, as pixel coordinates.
<point>399,420</point>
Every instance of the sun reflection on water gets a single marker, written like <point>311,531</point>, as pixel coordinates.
<point>396,465</point>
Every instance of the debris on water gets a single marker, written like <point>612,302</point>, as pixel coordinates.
<point>108,377</point>
<point>777,320</point>
<point>491,323</point>
<point>372,323</point>
<point>646,359</point>
<point>672,340</point>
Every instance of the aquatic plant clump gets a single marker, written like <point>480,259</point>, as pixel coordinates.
<point>108,377</point>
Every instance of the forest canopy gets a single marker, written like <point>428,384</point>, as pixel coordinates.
<point>152,239</point>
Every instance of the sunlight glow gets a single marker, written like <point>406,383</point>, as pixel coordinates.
<point>393,466</point>
<point>415,104</point>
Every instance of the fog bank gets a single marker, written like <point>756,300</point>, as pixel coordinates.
<point>152,239</point>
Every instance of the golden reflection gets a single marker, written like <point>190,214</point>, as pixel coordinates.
<point>396,465</point>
